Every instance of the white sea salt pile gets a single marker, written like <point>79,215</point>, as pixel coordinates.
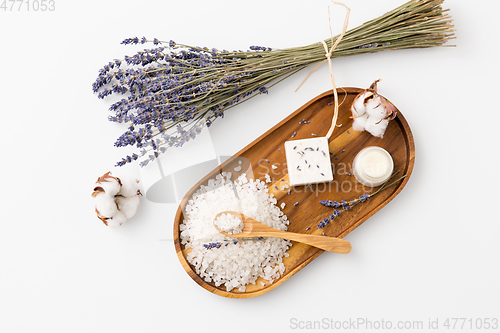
<point>229,223</point>
<point>230,262</point>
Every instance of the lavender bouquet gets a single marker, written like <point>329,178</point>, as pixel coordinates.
<point>172,91</point>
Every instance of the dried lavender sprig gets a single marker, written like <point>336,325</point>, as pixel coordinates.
<point>175,90</point>
<point>347,205</point>
<point>226,242</point>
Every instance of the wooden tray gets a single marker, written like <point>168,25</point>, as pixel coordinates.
<point>345,143</point>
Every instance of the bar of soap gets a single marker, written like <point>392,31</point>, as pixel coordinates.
<point>308,161</point>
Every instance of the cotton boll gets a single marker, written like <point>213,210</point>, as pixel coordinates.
<point>116,200</point>
<point>358,106</point>
<point>373,102</point>
<point>110,186</point>
<point>107,183</point>
<point>376,127</point>
<point>130,187</point>
<point>105,204</point>
<point>358,124</point>
<point>118,219</point>
<point>358,109</point>
<point>375,109</point>
<point>128,205</point>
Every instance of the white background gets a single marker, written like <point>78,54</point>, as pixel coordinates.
<point>432,253</point>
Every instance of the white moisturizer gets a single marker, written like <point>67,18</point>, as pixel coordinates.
<point>373,166</point>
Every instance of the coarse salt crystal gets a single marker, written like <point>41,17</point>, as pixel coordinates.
<point>268,178</point>
<point>229,223</point>
<point>241,262</point>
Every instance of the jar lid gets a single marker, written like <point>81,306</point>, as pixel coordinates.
<point>372,166</point>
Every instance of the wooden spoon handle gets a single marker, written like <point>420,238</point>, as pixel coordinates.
<point>254,228</point>
<point>331,244</point>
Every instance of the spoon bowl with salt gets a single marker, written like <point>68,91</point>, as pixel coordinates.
<point>251,228</point>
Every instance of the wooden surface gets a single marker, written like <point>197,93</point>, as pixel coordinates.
<point>255,229</point>
<point>344,144</point>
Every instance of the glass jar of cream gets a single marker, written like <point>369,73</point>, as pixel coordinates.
<point>373,166</point>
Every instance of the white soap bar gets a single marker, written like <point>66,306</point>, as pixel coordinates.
<point>308,161</point>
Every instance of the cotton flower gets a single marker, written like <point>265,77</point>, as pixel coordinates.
<point>376,127</point>
<point>358,108</point>
<point>129,188</point>
<point>105,204</point>
<point>116,199</point>
<point>128,205</point>
<point>372,112</point>
<point>359,122</point>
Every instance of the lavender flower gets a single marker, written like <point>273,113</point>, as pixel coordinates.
<point>347,205</point>
<point>210,246</point>
<point>170,89</point>
<point>175,84</point>
<point>323,223</point>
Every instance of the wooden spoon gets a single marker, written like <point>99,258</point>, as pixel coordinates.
<point>253,228</point>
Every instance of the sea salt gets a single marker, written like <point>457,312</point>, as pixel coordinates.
<point>268,178</point>
<point>241,262</point>
<point>229,223</point>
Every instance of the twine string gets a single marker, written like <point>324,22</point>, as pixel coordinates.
<point>328,55</point>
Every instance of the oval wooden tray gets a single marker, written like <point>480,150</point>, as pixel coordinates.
<point>344,144</point>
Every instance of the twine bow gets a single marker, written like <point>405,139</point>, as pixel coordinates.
<point>328,56</point>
